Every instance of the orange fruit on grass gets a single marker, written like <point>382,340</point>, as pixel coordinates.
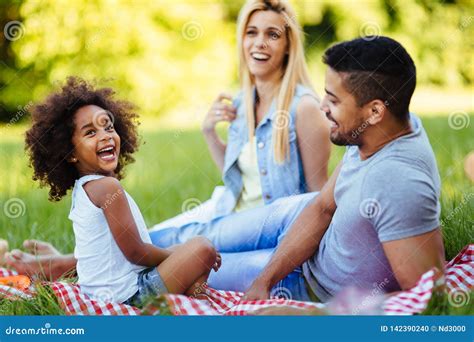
<point>20,282</point>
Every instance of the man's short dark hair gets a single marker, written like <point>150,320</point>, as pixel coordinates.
<point>375,67</point>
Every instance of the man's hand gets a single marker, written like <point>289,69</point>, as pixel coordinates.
<point>258,291</point>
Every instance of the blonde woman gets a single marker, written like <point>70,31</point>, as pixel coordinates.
<point>278,141</point>
<point>278,146</point>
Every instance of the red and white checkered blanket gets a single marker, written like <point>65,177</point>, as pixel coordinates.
<point>459,280</point>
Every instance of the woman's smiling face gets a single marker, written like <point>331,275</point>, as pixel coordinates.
<point>265,43</point>
<point>96,143</point>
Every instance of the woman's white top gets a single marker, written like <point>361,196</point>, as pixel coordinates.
<point>104,272</point>
<point>251,196</point>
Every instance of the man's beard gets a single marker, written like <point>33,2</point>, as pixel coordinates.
<point>353,137</point>
<point>341,139</point>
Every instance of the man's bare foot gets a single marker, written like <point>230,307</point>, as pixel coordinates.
<point>37,247</point>
<point>3,251</point>
<point>49,267</point>
<point>23,263</point>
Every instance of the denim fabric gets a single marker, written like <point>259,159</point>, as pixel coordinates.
<point>246,241</point>
<point>239,270</point>
<point>149,284</point>
<point>277,180</point>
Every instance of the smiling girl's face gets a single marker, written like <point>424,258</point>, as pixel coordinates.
<point>265,43</point>
<point>96,143</point>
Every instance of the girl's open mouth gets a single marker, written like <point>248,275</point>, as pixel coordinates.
<point>107,153</point>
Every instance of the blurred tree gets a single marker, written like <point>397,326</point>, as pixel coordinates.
<point>164,55</point>
<point>438,34</point>
<point>156,54</point>
<point>8,14</point>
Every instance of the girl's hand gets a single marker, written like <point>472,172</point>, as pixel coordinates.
<point>218,262</point>
<point>220,110</point>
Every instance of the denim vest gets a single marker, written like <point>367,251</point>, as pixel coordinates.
<point>277,180</point>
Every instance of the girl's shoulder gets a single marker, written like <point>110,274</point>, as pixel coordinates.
<point>99,190</point>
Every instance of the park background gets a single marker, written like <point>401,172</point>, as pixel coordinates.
<point>172,58</point>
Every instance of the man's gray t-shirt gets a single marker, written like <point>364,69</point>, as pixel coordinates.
<point>392,195</point>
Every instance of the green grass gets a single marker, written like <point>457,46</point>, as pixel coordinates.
<point>43,303</point>
<point>172,167</point>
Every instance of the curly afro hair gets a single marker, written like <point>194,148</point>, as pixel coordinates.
<point>49,140</point>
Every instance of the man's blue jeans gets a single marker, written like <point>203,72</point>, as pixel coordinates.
<point>246,241</point>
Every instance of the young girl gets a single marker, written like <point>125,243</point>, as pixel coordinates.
<point>81,138</point>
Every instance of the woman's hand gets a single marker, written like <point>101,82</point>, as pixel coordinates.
<point>220,110</point>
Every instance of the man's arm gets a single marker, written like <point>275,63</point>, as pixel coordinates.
<point>407,223</point>
<point>410,258</point>
<point>300,243</point>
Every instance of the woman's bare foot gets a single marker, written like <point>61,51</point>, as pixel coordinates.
<point>37,247</point>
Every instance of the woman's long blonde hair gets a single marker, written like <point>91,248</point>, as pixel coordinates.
<point>295,71</point>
